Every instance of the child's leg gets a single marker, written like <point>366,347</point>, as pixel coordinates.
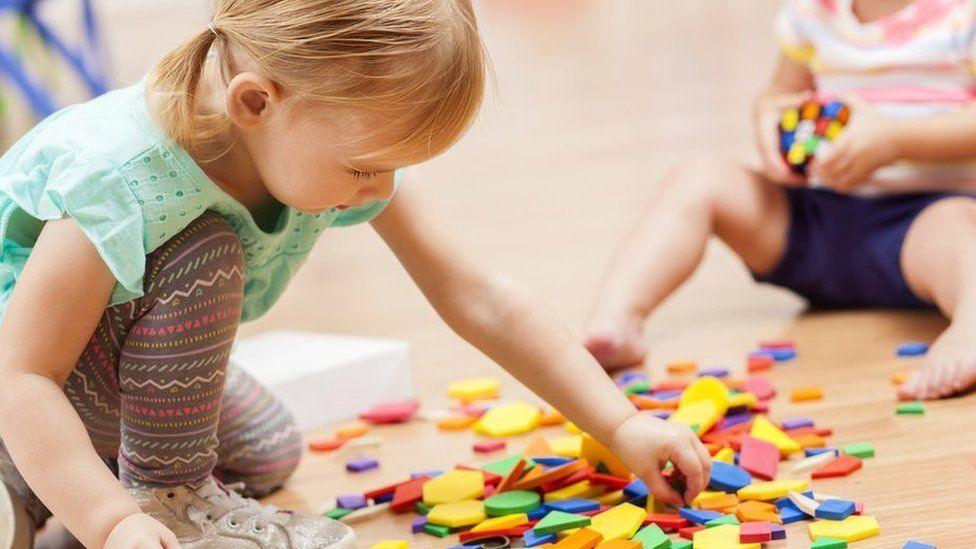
<point>174,357</point>
<point>695,201</point>
<point>259,443</point>
<point>939,262</point>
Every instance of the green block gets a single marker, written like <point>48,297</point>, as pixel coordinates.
<point>420,508</point>
<point>437,530</point>
<point>504,466</point>
<point>724,519</point>
<point>512,502</point>
<point>557,521</point>
<point>338,513</point>
<point>829,543</point>
<point>652,537</point>
<point>637,387</point>
<point>683,544</point>
<point>859,449</point>
<point>910,408</point>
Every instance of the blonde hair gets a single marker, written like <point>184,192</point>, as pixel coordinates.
<point>420,64</point>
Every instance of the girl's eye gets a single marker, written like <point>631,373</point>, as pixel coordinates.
<point>362,175</point>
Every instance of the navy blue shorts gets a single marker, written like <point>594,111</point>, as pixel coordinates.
<point>845,251</point>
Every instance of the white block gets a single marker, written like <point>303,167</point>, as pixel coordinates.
<point>325,378</point>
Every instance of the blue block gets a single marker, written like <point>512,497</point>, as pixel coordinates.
<point>627,378</point>
<point>917,545</point>
<point>817,451</point>
<point>362,464</point>
<point>789,513</point>
<point>913,348</point>
<point>383,498</point>
<point>538,513</point>
<point>665,395</point>
<point>835,509</point>
<point>778,532</point>
<point>431,474</point>
<point>531,539</point>
<point>553,461</point>
<point>727,477</point>
<point>735,419</point>
<point>796,423</point>
<point>635,489</point>
<point>698,516</point>
<point>639,501</point>
<point>574,505</point>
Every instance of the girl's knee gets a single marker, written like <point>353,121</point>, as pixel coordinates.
<point>706,180</point>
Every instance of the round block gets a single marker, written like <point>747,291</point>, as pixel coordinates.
<point>512,502</point>
<point>707,388</point>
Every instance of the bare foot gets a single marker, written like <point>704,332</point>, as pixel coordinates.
<point>616,341</point>
<point>949,367</point>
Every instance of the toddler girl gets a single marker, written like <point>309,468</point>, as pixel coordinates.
<point>140,228</point>
<point>892,224</point>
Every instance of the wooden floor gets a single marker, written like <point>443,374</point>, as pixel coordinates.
<point>594,100</point>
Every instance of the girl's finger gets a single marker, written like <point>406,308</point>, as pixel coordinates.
<point>690,465</point>
<point>661,490</point>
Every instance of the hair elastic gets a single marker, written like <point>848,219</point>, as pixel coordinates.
<point>213,28</point>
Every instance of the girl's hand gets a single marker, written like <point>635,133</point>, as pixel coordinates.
<point>141,531</point>
<point>862,147</point>
<point>645,443</point>
<point>765,117</point>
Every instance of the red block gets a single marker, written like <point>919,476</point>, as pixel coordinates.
<point>759,386</point>
<point>407,494</point>
<point>777,344</point>
<point>668,522</point>
<point>573,478</point>
<point>840,467</point>
<point>612,482</point>
<point>671,384</point>
<point>326,444</point>
<point>688,532</point>
<point>514,532</point>
<point>755,532</point>
<point>758,363</point>
<point>391,412</point>
<point>488,446</point>
<point>759,458</point>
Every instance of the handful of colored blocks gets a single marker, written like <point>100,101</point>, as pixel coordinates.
<point>805,131</point>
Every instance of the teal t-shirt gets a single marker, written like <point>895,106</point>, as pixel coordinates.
<point>111,168</point>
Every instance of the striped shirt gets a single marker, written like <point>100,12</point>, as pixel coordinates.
<point>917,61</point>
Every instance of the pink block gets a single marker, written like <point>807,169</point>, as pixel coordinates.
<point>755,532</point>
<point>759,386</point>
<point>489,446</point>
<point>759,458</point>
<point>391,412</point>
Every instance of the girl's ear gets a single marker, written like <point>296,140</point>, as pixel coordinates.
<point>251,99</point>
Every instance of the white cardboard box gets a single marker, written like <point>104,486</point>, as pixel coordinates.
<point>325,378</point>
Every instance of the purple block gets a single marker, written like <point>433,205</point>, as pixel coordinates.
<point>661,414</point>
<point>431,474</point>
<point>351,501</point>
<point>417,525</point>
<point>383,498</point>
<point>797,422</point>
<point>362,464</point>
<point>778,532</point>
<point>665,395</point>
<point>714,372</point>
<point>729,421</point>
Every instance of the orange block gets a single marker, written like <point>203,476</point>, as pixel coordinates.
<point>584,538</point>
<point>682,367</point>
<point>810,440</point>
<point>555,473</point>
<point>513,476</point>
<point>719,502</point>
<point>538,447</point>
<point>325,444</point>
<point>757,511</point>
<point>806,393</point>
<point>456,423</point>
<point>713,447</point>
<point>551,417</point>
<point>899,377</point>
<point>350,430</point>
<point>620,544</point>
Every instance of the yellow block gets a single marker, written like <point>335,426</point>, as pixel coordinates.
<point>582,489</point>
<point>725,536</point>
<point>620,544</point>
<point>457,513</point>
<point>743,399</point>
<point>763,429</point>
<point>620,522</point>
<point>702,414</point>
<point>611,498</point>
<point>569,446</point>
<point>725,454</point>
<point>707,388</point>
<point>476,388</point>
<point>350,430</point>
<point>457,485</point>
<point>770,490</point>
<point>597,453</point>
<point>572,428</point>
<point>853,528</point>
<point>499,523</point>
<point>391,544</point>
<point>508,420</point>
<point>682,367</point>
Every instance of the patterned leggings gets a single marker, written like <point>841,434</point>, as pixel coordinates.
<point>153,385</point>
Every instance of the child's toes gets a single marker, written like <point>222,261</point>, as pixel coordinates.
<point>909,390</point>
<point>943,382</point>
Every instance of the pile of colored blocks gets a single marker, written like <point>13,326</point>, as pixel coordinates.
<point>806,131</point>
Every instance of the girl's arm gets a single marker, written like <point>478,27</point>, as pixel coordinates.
<point>790,84</point>
<point>500,318</point>
<point>55,307</point>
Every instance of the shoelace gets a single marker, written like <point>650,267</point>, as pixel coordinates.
<point>225,499</point>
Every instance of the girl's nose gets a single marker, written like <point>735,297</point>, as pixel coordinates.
<point>381,189</point>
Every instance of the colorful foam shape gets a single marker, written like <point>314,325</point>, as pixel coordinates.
<point>755,532</point>
<point>759,458</point>
<point>652,537</point>
<point>835,509</point>
<point>853,528</point>
<point>596,453</point>
<point>770,490</point>
<point>531,539</point>
<point>763,429</point>
<point>512,502</point>
<point>508,420</point>
<point>476,388</point>
<point>917,545</point>
<point>727,477</point>
<point>858,449</point>
<point>829,543</point>
<point>725,536</point>
<point>457,485</point>
<point>568,446</point>
<point>391,544</point>
<point>620,522</point>
<point>500,523</point>
<point>457,513</point>
<point>584,538</point>
<point>574,505</point>
<point>841,466</point>
<point>558,521</point>
<point>698,516</point>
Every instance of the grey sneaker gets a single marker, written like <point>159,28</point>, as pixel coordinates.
<point>213,516</point>
<point>16,524</point>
